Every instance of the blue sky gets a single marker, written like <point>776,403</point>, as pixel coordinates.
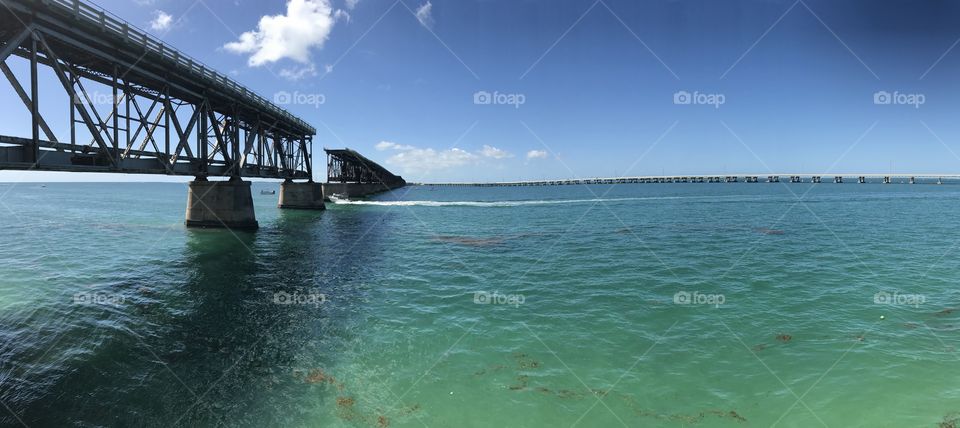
<point>586,88</point>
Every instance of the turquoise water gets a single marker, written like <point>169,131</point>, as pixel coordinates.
<point>668,305</point>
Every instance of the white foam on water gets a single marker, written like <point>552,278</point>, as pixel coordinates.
<point>489,204</point>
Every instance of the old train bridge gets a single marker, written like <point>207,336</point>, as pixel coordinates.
<point>166,113</point>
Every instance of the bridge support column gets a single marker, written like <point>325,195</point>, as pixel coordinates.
<point>301,196</point>
<point>226,204</point>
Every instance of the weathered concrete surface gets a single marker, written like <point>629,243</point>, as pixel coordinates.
<point>356,190</point>
<point>221,204</point>
<point>301,196</point>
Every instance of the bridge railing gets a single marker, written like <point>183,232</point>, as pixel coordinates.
<point>109,22</point>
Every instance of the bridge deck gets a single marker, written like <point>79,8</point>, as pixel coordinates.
<point>170,113</point>
<point>102,42</point>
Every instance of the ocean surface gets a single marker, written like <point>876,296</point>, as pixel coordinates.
<point>657,305</point>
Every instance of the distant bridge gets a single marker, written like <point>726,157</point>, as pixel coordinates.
<point>739,178</point>
<point>165,113</point>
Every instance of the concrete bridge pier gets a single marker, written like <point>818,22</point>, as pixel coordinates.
<point>221,204</point>
<point>301,196</point>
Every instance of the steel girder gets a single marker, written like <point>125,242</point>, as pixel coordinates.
<point>150,126</point>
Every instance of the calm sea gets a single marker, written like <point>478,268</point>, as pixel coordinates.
<point>695,305</point>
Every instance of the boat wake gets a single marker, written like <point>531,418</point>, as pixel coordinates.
<point>488,204</point>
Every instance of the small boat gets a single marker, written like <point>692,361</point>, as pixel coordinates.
<point>268,192</point>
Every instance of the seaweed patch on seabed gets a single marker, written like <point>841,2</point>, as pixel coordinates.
<point>951,420</point>
<point>767,231</point>
<point>944,312</point>
<point>470,242</point>
<point>692,418</point>
<point>525,363</point>
<point>346,408</point>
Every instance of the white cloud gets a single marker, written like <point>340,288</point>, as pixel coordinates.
<point>412,159</point>
<point>389,145</point>
<point>426,160</point>
<point>297,73</point>
<point>307,24</point>
<point>424,15</point>
<point>493,152</point>
<point>352,4</point>
<point>341,15</point>
<point>537,154</point>
<point>161,21</point>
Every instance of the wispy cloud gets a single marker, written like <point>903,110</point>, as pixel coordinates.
<point>306,24</point>
<point>424,14</point>
<point>161,20</point>
<point>537,154</point>
<point>415,159</point>
<point>429,160</point>
<point>494,153</point>
<point>297,73</point>
<point>352,4</point>
<point>389,145</point>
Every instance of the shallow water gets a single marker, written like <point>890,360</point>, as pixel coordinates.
<point>667,305</point>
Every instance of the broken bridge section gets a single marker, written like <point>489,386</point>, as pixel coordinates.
<point>350,175</point>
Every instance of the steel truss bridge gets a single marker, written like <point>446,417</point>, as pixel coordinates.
<point>350,174</point>
<point>348,166</point>
<point>166,112</point>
